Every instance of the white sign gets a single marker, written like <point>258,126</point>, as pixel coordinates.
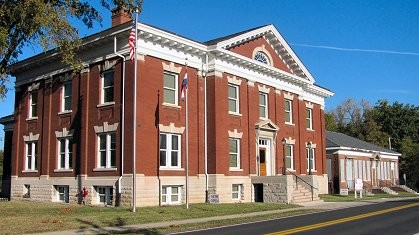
<point>214,198</point>
<point>344,191</point>
<point>358,184</point>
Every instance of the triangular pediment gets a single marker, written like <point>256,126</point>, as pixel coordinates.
<point>265,40</point>
<point>267,125</point>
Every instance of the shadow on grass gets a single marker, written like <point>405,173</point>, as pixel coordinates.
<point>115,228</point>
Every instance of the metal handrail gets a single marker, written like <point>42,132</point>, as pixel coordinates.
<point>296,183</point>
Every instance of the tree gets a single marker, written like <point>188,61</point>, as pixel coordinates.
<point>46,23</point>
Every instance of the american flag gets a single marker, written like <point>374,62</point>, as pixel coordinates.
<point>184,86</point>
<point>131,42</point>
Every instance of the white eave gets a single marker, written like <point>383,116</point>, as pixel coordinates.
<point>149,33</point>
<point>337,149</point>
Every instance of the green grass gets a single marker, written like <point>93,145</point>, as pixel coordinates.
<point>351,197</point>
<point>19,216</point>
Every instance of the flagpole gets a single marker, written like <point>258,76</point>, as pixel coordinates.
<point>134,162</point>
<point>187,141</point>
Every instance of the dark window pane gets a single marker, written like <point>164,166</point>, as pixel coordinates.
<point>175,142</point>
<point>174,159</point>
<point>162,158</point>
<point>162,141</point>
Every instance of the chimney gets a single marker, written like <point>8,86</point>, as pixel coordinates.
<point>120,15</point>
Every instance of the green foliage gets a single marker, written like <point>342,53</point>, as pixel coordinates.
<point>46,23</point>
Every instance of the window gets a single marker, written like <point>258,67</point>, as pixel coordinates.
<point>288,111</point>
<point>309,119</point>
<point>171,195</point>
<point>31,156</point>
<point>170,88</point>
<point>311,163</point>
<point>261,57</point>
<point>289,157</point>
<point>62,193</point>
<point>234,153</point>
<point>26,191</point>
<point>233,98</point>
<point>263,105</point>
<point>170,150</point>
<point>65,153</point>
<point>66,96</point>
<point>236,190</point>
<point>33,104</point>
<point>107,150</point>
<point>104,195</point>
<point>107,87</point>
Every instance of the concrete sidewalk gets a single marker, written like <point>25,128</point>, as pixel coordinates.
<point>327,206</point>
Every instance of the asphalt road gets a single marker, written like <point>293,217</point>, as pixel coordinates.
<point>393,217</point>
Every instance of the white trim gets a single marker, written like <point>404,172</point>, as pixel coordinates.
<point>236,99</point>
<point>171,67</point>
<point>234,134</point>
<point>171,128</point>
<point>264,89</point>
<point>234,80</point>
<point>106,128</point>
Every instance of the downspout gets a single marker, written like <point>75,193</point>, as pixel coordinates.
<point>123,115</point>
<point>205,127</point>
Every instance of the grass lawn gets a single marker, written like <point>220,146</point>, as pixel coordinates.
<point>351,197</point>
<point>19,216</point>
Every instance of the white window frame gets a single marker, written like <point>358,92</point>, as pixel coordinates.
<point>236,100</point>
<point>31,157</point>
<point>309,119</point>
<point>291,156</point>
<point>288,111</point>
<point>234,153</point>
<point>265,106</point>
<point>236,195</point>
<point>68,154</point>
<point>105,192</point>
<point>62,193</point>
<point>169,149</point>
<point>313,155</point>
<point>175,90</point>
<point>167,193</point>
<point>108,150</point>
<point>64,97</point>
<point>33,106</point>
<point>102,96</point>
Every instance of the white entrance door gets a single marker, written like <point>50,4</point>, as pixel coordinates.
<point>265,166</point>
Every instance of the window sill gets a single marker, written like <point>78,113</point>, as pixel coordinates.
<point>171,105</point>
<point>31,118</point>
<point>171,169</point>
<point>289,124</point>
<point>105,104</point>
<point>30,171</point>
<point>235,114</point>
<point>235,169</point>
<point>63,170</point>
<point>308,129</point>
<point>65,112</point>
<point>105,169</point>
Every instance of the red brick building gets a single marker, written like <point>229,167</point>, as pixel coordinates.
<point>253,107</point>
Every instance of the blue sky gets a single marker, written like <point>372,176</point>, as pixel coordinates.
<point>358,49</point>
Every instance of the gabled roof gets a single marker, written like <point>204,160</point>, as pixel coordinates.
<point>278,43</point>
<point>340,140</point>
<point>220,39</point>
